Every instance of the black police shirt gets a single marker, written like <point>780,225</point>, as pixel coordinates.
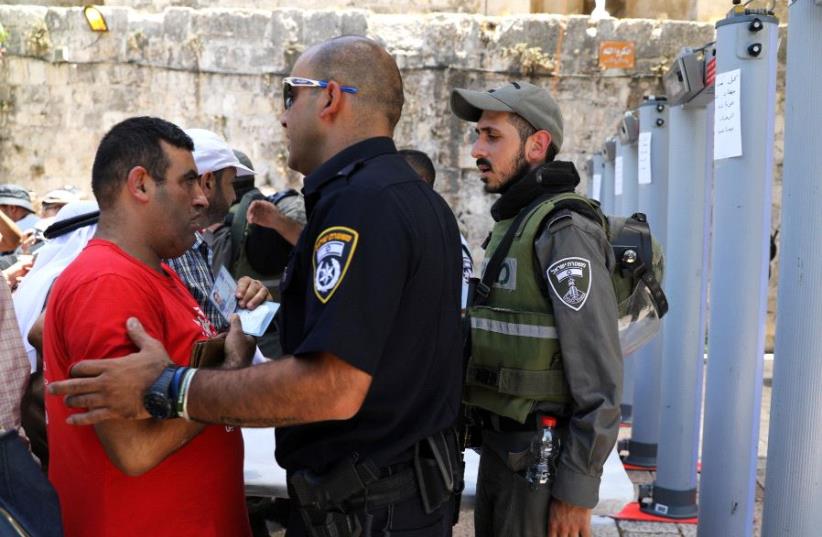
<point>375,279</point>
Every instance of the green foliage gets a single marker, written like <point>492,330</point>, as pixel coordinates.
<point>4,35</point>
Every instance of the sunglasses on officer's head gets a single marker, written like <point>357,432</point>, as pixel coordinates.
<point>291,82</point>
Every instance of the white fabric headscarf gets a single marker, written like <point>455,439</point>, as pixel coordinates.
<point>52,258</point>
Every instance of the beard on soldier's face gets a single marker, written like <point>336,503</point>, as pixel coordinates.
<point>519,169</point>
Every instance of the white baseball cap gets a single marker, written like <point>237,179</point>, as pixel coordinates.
<point>212,153</point>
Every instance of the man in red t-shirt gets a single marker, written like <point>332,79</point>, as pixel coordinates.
<point>146,477</point>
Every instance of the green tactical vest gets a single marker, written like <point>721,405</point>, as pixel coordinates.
<point>516,360</point>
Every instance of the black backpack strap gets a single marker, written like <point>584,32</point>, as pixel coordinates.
<point>582,206</point>
<point>656,291</point>
<point>482,287</point>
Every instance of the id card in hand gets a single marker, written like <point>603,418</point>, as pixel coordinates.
<point>256,321</point>
<point>222,294</point>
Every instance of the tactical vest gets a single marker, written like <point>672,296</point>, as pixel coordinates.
<point>516,360</point>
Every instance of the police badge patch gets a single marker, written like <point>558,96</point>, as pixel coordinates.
<point>333,251</point>
<point>571,280</point>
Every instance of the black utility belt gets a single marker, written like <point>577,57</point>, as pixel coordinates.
<point>328,502</point>
<point>351,486</point>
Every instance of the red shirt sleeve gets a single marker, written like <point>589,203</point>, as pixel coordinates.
<point>99,309</point>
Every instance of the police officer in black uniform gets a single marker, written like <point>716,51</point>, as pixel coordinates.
<point>365,401</point>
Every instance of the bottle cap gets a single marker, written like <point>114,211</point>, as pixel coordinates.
<point>548,421</point>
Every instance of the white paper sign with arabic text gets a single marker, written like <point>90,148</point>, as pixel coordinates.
<point>728,115</point>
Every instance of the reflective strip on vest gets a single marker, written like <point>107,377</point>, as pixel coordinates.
<point>512,329</point>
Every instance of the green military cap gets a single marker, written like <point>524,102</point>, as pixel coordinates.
<point>532,103</point>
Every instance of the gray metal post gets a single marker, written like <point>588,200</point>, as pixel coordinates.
<point>625,166</point>
<point>626,152</point>
<point>595,167</point>
<point>653,185</point>
<point>794,499</point>
<point>652,179</point>
<point>743,152</point>
<point>608,154</point>
<point>674,491</point>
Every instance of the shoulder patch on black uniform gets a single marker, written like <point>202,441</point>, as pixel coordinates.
<point>333,251</point>
<point>570,279</point>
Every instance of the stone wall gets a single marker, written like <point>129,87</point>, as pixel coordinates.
<point>62,87</point>
<point>695,10</point>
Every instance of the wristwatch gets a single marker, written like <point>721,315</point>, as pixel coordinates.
<point>158,399</point>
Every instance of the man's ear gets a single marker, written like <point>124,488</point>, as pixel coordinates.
<point>208,182</point>
<point>333,101</point>
<point>536,147</point>
<point>137,183</point>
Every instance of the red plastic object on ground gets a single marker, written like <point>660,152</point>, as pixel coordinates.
<point>632,512</point>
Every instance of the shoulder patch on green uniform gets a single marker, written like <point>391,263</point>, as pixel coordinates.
<point>333,251</point>
<point>570,279</point>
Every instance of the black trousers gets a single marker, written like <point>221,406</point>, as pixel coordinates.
<point>506,504</point>
<point>402,519</point>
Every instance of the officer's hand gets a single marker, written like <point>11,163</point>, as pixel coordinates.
<point>113,388</point>
<point>251,293</point>
<point>264,213</point>
<point>239,348</point>
<point>567,520</point>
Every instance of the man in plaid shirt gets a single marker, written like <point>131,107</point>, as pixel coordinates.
<point>25,493</point>
<point>218,166</point>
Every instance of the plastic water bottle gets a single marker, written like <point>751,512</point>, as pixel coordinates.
<point>540,472</point>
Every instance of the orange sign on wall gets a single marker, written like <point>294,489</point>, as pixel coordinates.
<point>617,55</point>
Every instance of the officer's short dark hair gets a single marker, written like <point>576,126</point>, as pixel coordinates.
<point>421,163</point>
<point>130,143</point>
<point>525,130</point>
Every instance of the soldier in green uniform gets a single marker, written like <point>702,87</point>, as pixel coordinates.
<point>545,344</point>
